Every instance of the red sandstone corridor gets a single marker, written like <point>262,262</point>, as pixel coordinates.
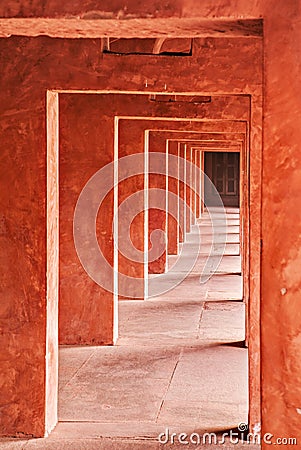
<point>112,113</point>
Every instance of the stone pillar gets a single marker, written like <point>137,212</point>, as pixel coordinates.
<point>202,164</point>
<point>85,308</point>
<point>130,142</point>
<point>182,192</point>
<point>193,184</point>
<point>188,197</point>
<point>157,218</point>
<point>198,183</point>
<point>173,187</point>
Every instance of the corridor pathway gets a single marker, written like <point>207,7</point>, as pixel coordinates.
<point>175,365</point>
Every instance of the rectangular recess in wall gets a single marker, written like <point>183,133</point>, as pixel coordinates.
<point>148,46</point>
<point>173,98</point>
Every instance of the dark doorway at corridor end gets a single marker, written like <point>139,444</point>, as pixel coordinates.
<point>222,168</point>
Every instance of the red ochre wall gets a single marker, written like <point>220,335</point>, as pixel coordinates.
<point>31,66</point>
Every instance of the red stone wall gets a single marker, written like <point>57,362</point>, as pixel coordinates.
<point>32,67</point>
<point>131,137</point>
<point>90,9</point>
<point>281,224</point>
<point>192,139</point>
<point>86,145</point>
<point>173,220</point>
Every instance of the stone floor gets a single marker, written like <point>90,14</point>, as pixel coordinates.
<point>176,366</point>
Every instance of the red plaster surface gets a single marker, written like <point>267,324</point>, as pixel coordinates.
<point>198,183</point>
<point>131,140</point>
<point>193,204</point>
<point>86,145</point>
<point>281,233</point>
<point>173,228</point>
<point>29,63</point>
<point>226,141</point>
<point>188,202</point>
<point>89,9</point>
<point>234,107</point>
<point>229,107</point>
<point>85,310</point>
<point>182,193</point>
<point>87,125</point>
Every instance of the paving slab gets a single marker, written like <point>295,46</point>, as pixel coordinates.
<point>13,444</point>
<point>160,318</point>
<point>184,414</point>
<point>228,264</point>
<point>207,221</point>
<point>223,322</point>
<point>71,358</point>
<point>206,228</point>
<point>197,368</point>
<point>106,398</point>
<point>225,287</point>
<point>92,444</point>
<point>219,248</point>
